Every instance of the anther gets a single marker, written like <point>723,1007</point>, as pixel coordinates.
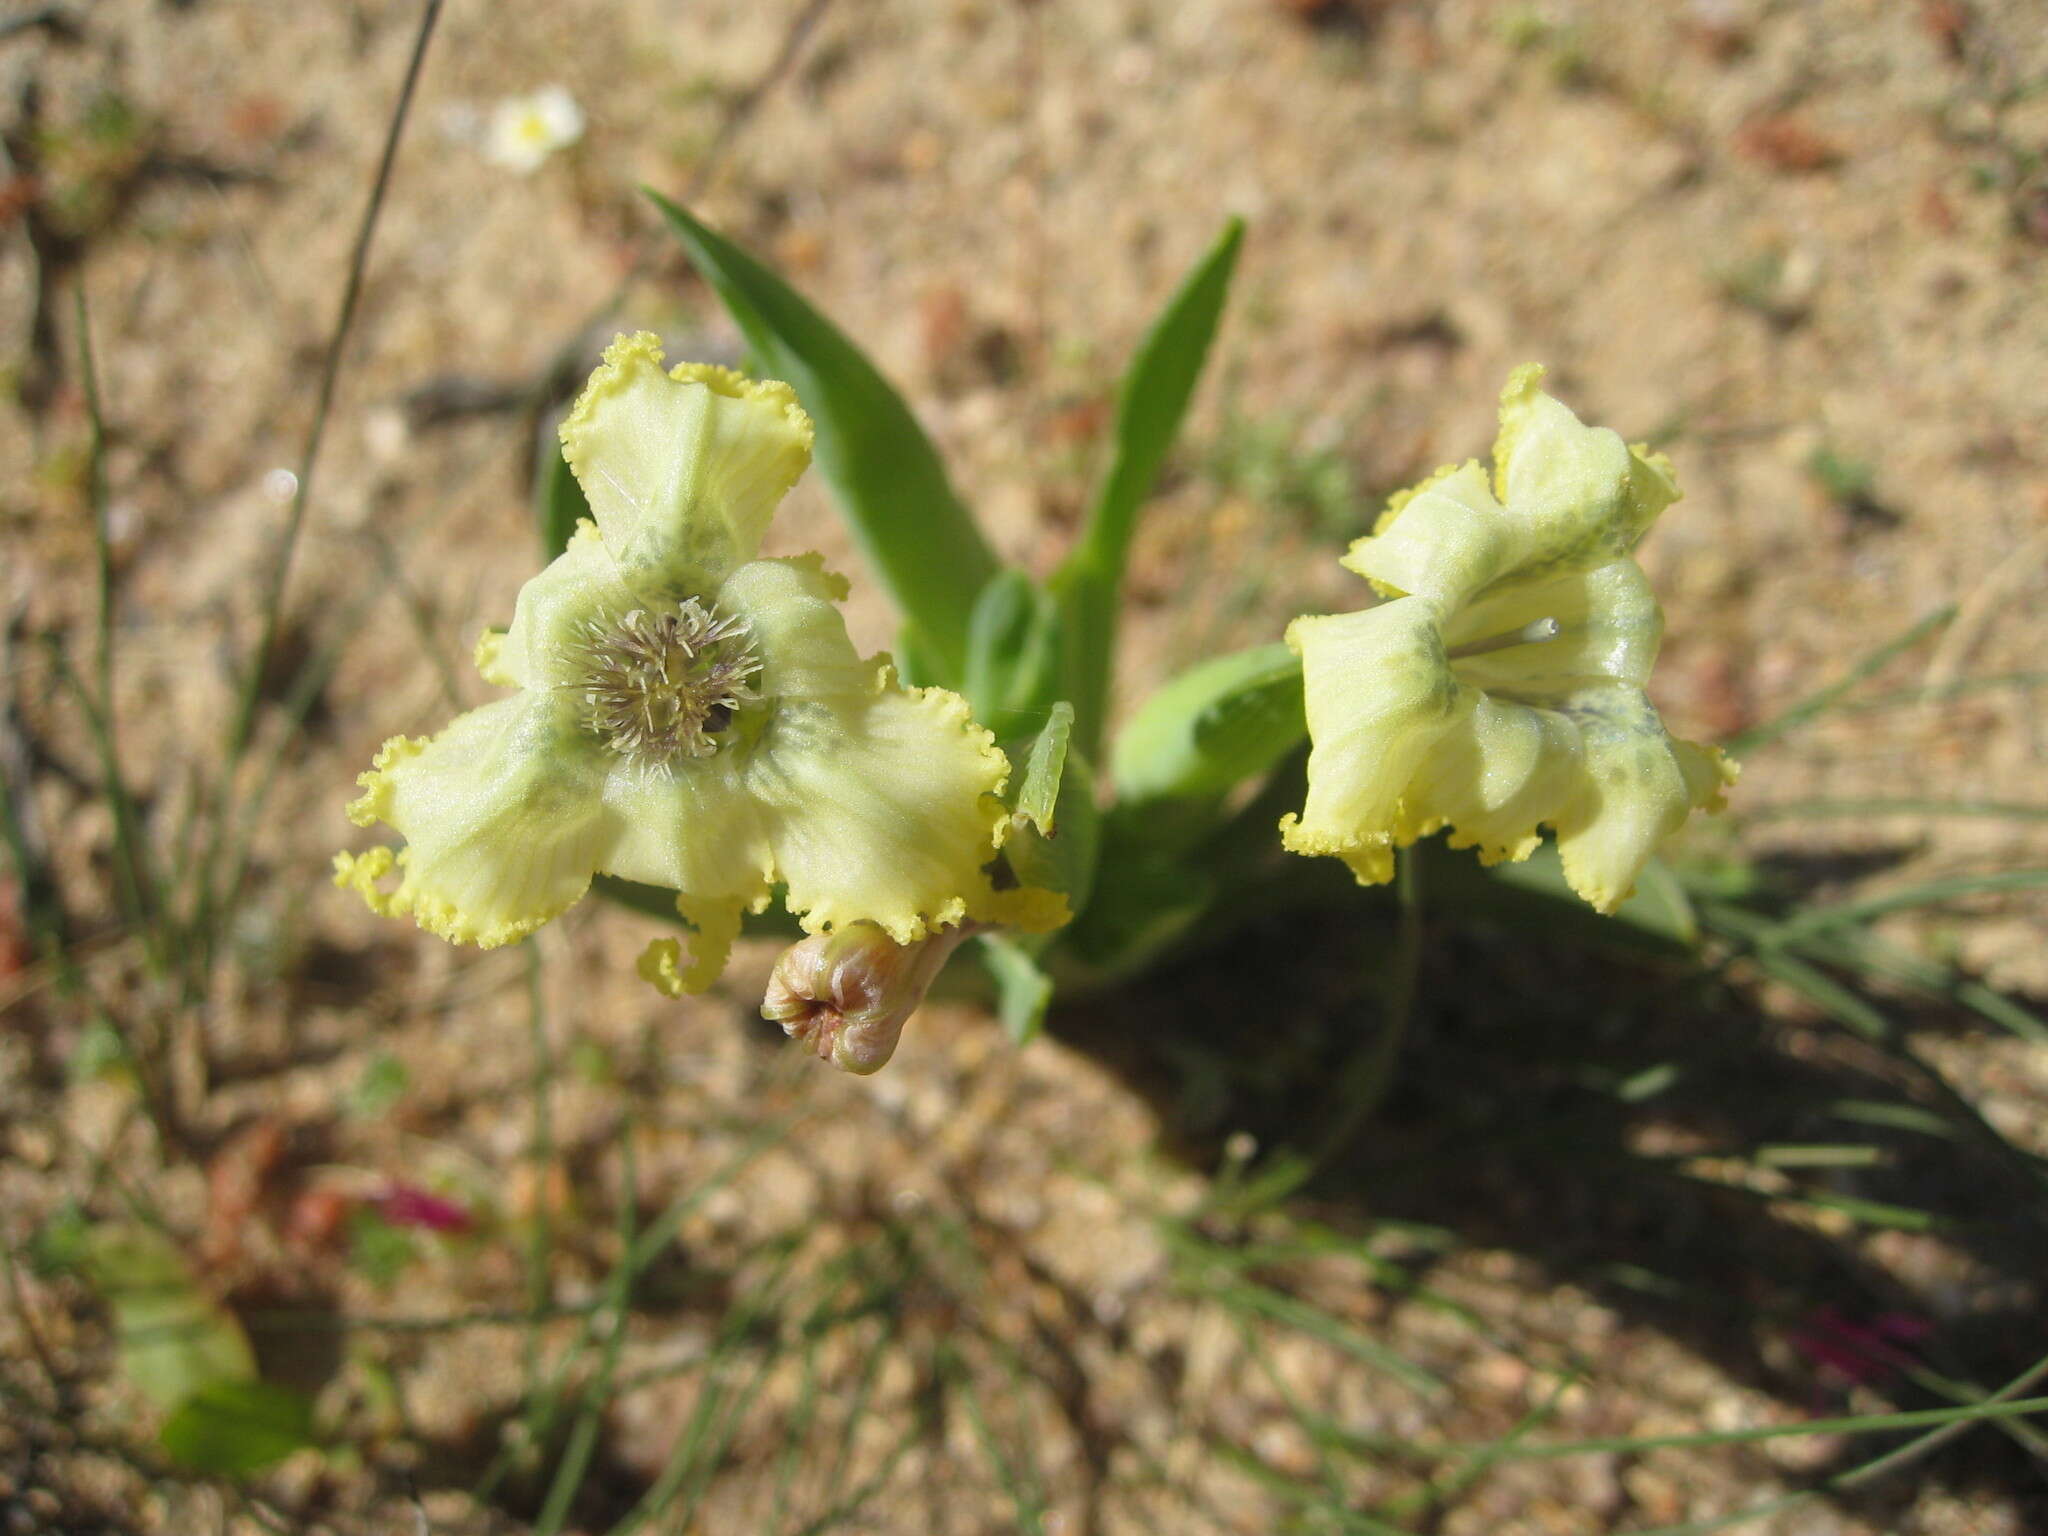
<point>658,687</point>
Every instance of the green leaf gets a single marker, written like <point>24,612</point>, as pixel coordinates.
<point>1023,991</point>
<point>233,1428</point>
<point>878,461</point>
<point>1012,649</point>
<point>1211,728</point>
<point>1035,794</point>
<point>1154,398</point>
<point>1150,893</point>
<point>917,664</point>
<point>1057,845</point>
<point>173,1338</point>
<point>558,501</point>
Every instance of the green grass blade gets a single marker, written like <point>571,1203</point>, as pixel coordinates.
<point>1815,810</point>
<point>1825,993</point>
<point>141,895</point>
<point>1849,914</point>
<point>1941,1424</point>
<point>1818,704</point>
<point>1155,396</point>
<point>1864,952</point>
<point>1919,1418</point>
<point>575,1463</point>
<point>1019,1482</point>
<point>1250,1298</point>
<point>1943,693</point>
<point>922,542</point>
<point>1892,1117</point>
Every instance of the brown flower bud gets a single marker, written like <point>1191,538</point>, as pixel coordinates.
<point>848,994</point>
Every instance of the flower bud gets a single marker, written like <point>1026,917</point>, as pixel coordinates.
<point>848,994</point>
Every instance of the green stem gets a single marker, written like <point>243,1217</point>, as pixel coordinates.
<point>1369,1076</point>
<point>1372,1076</point>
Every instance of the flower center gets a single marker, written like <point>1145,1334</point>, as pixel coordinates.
<point>1533,633</point>
<point>660,687</point>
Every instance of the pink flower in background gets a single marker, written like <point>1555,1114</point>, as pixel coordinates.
<point>405,1205</point>
<point>1864,1352</point>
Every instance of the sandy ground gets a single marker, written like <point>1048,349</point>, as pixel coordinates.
<point>1803,247</point>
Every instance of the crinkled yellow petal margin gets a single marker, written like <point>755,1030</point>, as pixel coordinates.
<point>1027,908</point>
<point>682,468</point>
<point>490,648</point>
<point>1405,744</point>
<point>882,808</point>
<point>363,873</point>
<point>374,803</point>
<point>502,816</point>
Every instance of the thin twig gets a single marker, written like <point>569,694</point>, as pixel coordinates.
<point>330,369</point>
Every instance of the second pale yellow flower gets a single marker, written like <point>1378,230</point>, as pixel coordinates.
<point>1499,688</point>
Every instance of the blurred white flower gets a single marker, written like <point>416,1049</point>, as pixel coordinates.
<point>524,130</point>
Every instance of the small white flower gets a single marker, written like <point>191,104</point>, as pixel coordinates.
<point>525,130</point>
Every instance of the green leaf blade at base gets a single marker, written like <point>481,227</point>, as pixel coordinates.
<point>884,470</point>
<point>1219,723</point>
<point>558,501</point>
<point>1155,395</point>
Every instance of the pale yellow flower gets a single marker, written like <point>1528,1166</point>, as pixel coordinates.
<point>1499,687</point>
<point>689,715</point>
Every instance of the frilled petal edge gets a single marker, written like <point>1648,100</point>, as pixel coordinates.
<point>503,818</point>
<point>682,469</point>
<point>1378,692</point>
<point>880,806</point>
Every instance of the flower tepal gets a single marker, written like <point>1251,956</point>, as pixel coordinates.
<point>687,714</point>
<point>1498,688</point>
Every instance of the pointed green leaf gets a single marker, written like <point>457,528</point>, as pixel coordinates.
<point>1045,765</point>
<point>887,476</point>
<point>1155,395</point>
<point>1057,841</point>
